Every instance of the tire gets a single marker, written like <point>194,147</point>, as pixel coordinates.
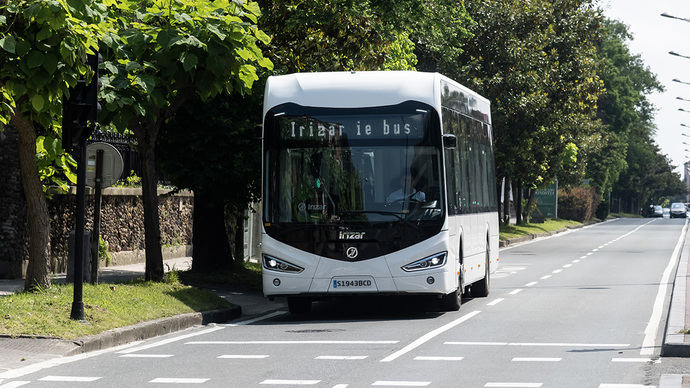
<point>298,305</point>
<point>481,288</point>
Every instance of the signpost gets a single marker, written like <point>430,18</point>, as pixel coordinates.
<point>546,201</point>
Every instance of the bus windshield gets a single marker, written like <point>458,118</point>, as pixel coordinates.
<point>360,169</point>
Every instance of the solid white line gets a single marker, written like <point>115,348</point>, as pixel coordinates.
<point>243,356</point>
<point>438,358</point>
<point>74,379</point>
<point>513,385</point>
<point>495,301</point>
<point>652,328</point>
<point>632,360</point>
<point>401,383</point>
<point>561,344</point>
<point>287,342</point>
<point>147,355</point>
<point>515,291</point>
<point>178,380</point>
<point>290,382</point>
<point>170,340</point>
<point>536,359</point>
<point>426,337</point>
<point>14,384</point>
<point>557,270</point>
<point>33,368</point>
<point>340,357</point>
<point>545,277</point>
<point>257,319</point>
<point>530,284</point>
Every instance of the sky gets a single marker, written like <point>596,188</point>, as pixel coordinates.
<point>653,37</point>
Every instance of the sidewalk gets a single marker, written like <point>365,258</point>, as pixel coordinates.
<point>20,352</point>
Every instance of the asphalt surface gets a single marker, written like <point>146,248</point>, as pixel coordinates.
<point>585,308</point>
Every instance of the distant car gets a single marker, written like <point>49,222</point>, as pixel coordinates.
<point>665,212</point>
<point>678,210</point>
<point>656,211</point>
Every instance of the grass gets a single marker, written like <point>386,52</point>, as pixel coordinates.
<point>513,231</point>
<point>106,306</point>
<point>246,277</point>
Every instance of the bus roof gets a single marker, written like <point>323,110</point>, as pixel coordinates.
<point>362,89</point>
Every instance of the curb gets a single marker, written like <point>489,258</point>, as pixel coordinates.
<point>528,237</point>
<point>674,344</point>
<point>149,329</point>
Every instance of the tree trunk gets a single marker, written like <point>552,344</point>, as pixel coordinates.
<point>149,188</point>
<point>209,236</point>
<point>506,202</point>
<point>518,202</point>
<point>530,199</point>
<point>38,220</point>
<point>239,237</point>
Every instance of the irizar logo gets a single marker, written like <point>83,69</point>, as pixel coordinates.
<point>351,235</point>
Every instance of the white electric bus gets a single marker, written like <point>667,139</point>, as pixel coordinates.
<point>376,183</point>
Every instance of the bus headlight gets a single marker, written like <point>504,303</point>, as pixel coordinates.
<point>275,264</point>
<point>435,261</point>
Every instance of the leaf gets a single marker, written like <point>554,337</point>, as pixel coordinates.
<point>189,61</point>
<point>262,36</point>
<point>37,102</point>
<point>8,43</point>
<point>50,63</point>
<point>110,67</point>
<point>131,65</point>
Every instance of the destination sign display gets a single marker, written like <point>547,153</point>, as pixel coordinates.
<point>342,128</point>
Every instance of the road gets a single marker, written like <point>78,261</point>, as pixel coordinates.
<point>579,309</point>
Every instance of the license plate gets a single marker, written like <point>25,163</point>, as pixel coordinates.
<point>364,283</point>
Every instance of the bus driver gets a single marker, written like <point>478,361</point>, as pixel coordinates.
<point>408,189</point>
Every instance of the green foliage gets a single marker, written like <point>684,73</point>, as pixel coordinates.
<point>54,164</point>
<point>133,180</point>
<point>578,203</point>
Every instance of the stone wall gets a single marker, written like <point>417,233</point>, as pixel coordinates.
<point>122,221</point>
<point>12,207</point>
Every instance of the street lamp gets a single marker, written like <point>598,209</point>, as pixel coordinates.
<point>682,99</point>
<point>679,81</point>
<point>683,125</point>
<point>678,55</point>
<point>683,110</point>
<point>674,17</point>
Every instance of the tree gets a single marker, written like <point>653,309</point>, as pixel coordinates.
<point>171,52</point>
<point>43,51</point>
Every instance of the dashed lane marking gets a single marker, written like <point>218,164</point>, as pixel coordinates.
<point>324,342</point>
<point>426,337</point>
<point>557,270</point>
<point>70,379</point>
<point>14,384</point>
<point>495,301</point>
<point>289,382</point>
<point>530,284</point>
<point>545,277</point>
<point>515,291</point>
<point>401,383</point>
<point>178,380</point>
<point>538,344</point>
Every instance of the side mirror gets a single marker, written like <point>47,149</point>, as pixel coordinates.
<point>449,141</point>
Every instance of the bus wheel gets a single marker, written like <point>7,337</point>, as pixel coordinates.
<point>480,289</point>
<point>452,301</point>
<point>298,305</point>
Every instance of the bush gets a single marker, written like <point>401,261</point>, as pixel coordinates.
<point>578,203</point>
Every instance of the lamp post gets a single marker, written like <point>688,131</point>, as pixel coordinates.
<point>678,55</point>
<point>674,17</point>
<point>683,110</point>
<point>682,99</point>
<point>680,82</point>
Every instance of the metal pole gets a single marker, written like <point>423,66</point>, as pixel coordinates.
<point>96,217</point>
<point>77,301</point>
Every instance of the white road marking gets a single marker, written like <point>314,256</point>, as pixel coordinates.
<point>288,342</point>
<point>555,344</point>
<point>583,257</point>
<point>244,356</point>
<point>14,384</point>
<point>515,291</point>
<point>530,284</point>
<point>576,261</point>
<point>536,359</point>
<point>340,357</point>
<point>438,358</point>
<point>290,382</point>
<point>650,332</point>
<point>71,379</point>
<point>257,319</point>
<point>401,383</point>
<point>170,340</point>
<point>633,360</point>
<point>340,386</point>
<point>601,246</point>
<point>557,270</point>
<point>595,250</point>
<point>495,301</point>
<point>567,265</point>
<point>589,253</point>
<point>147,355</point>
<point>178,380</point>
<point>514,385</point>
<point>426,337</point>
<point>545,277</point>
<point>33,368</point>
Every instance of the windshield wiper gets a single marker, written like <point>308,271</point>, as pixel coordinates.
<point>398,215</point>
